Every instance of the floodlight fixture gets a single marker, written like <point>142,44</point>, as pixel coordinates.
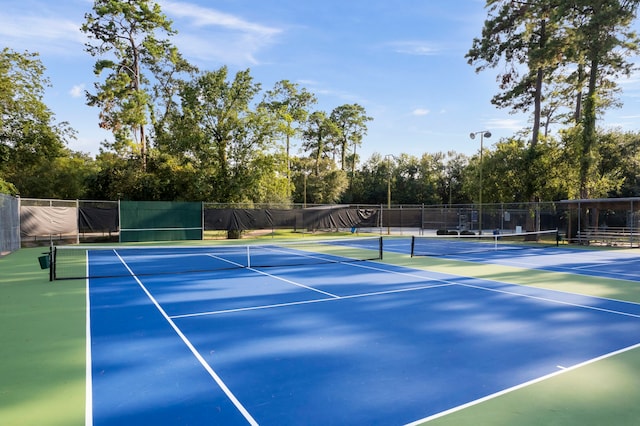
<point>484,133</point>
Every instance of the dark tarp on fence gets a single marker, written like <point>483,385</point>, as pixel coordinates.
<point>403,217</point>
<point>340,218</point>
<point>227,219</point>
<point>98,218</point>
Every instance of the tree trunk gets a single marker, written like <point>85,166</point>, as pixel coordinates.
<point>589,128</point>
<point>577,114</point>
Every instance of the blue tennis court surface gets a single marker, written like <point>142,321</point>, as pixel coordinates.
<point>358,343</point>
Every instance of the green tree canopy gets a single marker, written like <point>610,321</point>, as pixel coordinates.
<point>290,105</point>
<point>29,136</point>
<point>217,130</point>
<point>132,57</point>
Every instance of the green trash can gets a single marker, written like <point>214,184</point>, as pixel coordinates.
<point>45,263</point>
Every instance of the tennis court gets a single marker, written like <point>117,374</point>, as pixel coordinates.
<point>283,334</point>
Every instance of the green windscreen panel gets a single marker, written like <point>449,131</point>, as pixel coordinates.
<point>160,221</point>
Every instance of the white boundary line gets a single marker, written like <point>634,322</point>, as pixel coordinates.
<point>606,262</point>
<point>226,260</point>
<point>545,299</point>
<point>308,302</point>
<point>272,276</point>
<point>520,386</point>
<point>574,270</point>
<point>516,285</point>
<point>193,350</point>
<point>577,305</point>
<point>445,282</point>
<point>335,296</point>
<point>88,410</point>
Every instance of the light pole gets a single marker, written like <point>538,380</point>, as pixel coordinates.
<point>387,157</point>
<point>483,134</point>
<point>304,204</point>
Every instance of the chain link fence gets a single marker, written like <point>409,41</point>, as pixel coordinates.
<point>611,221</point>
<point>9,224</point>
<point>48,221</point>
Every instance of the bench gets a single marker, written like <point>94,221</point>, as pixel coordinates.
<point>609,236</point>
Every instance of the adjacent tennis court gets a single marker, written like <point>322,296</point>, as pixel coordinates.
<point>281,334</point>
<point>514,250</point>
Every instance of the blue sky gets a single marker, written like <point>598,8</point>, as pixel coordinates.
<point>403,61</point>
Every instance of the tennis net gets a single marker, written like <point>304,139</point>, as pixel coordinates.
<point>77,262</point>
<point>448,245</point>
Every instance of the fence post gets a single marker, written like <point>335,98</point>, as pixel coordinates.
<point>78,222</point>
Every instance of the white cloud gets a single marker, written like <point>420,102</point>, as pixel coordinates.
<point>77,91</point>
<point>207,34</point>
<point>320,88</point>
<point>417,48</point>
<point>226,50</point>
<point>204,17</point>
<point>51,34</point>
<point>504,123</point>
<point>420,112</point>
<point>310,83</point>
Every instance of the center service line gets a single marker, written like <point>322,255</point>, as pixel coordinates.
<point>193,350</point>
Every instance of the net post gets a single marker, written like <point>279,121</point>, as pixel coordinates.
<point>52,264</point>
<point>53,271</point>
<point>413,243</point>
<point>119,222</point>
<point>381,248</point>
<point>77,222</point>
<point>202,219</point>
